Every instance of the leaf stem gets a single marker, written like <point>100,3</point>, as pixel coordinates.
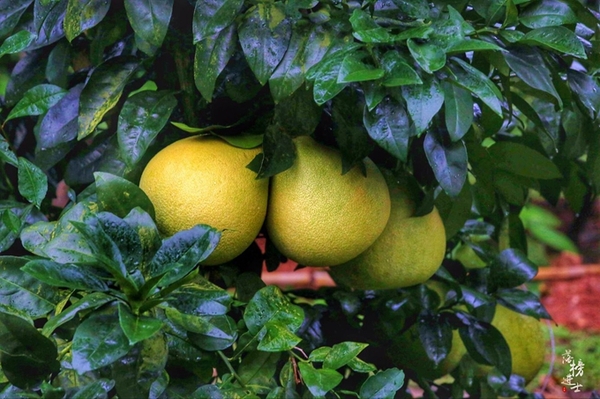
<point>230,368</point>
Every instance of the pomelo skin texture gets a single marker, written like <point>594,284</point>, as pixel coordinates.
<point>204,180</point>
<point>319,217</point>
<point>408,252</point>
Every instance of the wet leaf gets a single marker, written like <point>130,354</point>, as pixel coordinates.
<point>149,19</point>
<point>91,301</point>
<point>397,71</point>
<point>511,268</point>
<point>342,353</point>
<point>17,42</point>
<point>36,101</point>
<point>33,182</point>
<point>65,275</point>
<point>448,161</point>
<point>137,328</point>
<point>278,153</point>
<point>458,110</point>
<point>429,56</point>
<point>11,14</point>
<point>557,38</point>
<point>524,161</point>
<point>353,69</point>
<point>276,337</point>
<point>319,381</point>
<point>472,79</point>
<point>269,304</point>
<point>82,15</point>
<point>257,369</point>
<point>547,13</point>
<point>325,74</point>
<point>201,298</point>
<point>423,102</point>
<point>212,16</point>
<point>384,384</point>
<point>525,302</point>
<point>119,196</point>
<point>389,125</point>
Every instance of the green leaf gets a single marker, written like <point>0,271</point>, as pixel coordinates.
<point>417,9</point>
<point>211,56</point>
<point>458,110</point>
<point>397,71</point>
<point>269,304</point>
<point>529,65</point>
<point>325,74</point>
<point>467,45</point>
<point>541,14</point>
<point>208,333</point>
<point>76,277</point>
<point>479,84</point>
<point>361,366</point>
<point>17,42</point>
<point>319,354</point>
<point>557,38</point>
<point>33,182</point>
<point>11,14</point>
<point>212,16</point>
<point>525,302</point>
<point>125,237</point>
<point>97,389</point>
<point>147,232</point>
<point>423,102</point>
<point>587,91</point>
<point>523,161</point>
<point>455,211</point>
<point>277,338</point>
<point>384,384</point>
<point>119,196</point>
<point>298,114</point>
<point>342,353</point>
<point>82,15</point>
<point>91,301</point>
<point>429,56</point>
<point>48,23</point>
<point>448,161</point>
<point>98,341</point>
<point>264,36</point>
<point>320,381</point>
<point>246,141</point>
<point>102,92</point>
<point>368,31</point>
<point>511,268</point>
<point>6,154</point>
<point>257,369</point>
<point>149,19</point>
<point>180,253</point>
<point>278,154</point>
<point>137,327</point>
<point>354,70</point>
<point>307,47</point>
<point>142,117</point>
<point>201,298</point>
<point>388,124</point>
<point>37,101</point>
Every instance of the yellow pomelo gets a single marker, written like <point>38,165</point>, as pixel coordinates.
<point>408,252</point>
<point>319,217</point>
<point>204,180</point>
<point>525,338</point>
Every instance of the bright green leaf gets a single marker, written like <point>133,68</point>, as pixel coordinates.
<point>33,182</point>
<point>383,385</point>
<point>319,381</point>
<point>137,327</point>
<point>37,101</point>
<point>17,42</point>
<point>557,38</point>
<point>82,15</point>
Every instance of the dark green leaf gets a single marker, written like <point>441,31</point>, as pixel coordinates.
<point>269,304</point>
<point>6,154</point>
<point>472,45</point>
<point>201,298</point>
<point>557,38</point>
<point>458,110</point>
<point>529,65</point>
<point>98,342</point>
<point>147,232</point>
<point>82,15</point>
<point>298,114</point>
<point>33,182</point>
<point>37,370</point>
<point>319,381</point>
<point>212,16</point>
<point>98,390</point>
<point>545,13</point>
<point>374,94</point>
<point>208,333</point>
<point>102,92</point>
<point>448,161</point>
<point>423,102</point>
<point>353,69</point>
<point>48,24</point>
<point>90,301</point>
<point>137,327</point>
<point>397,71</point>
<point>523,161</point>
<point>142,117</point>
<point>36,101</point>
<point>264,36</point>
<point>384,384</point>
<point>417,9</point>
<point>65,275</point>
<point>511,268</point>
<point>479,84</point>
<point>342,353</point>
<point>149,19</point>
<point>257,370</point>
<point>119,196</point>
<point>455,211</point>
<point>180,253</point>
<point>368,31</point>
<point>276,337</point>
<point>325,74</point>
<point>212,55</point>
<point>125,237</point>
<point>18,337</point>
<point>429,56</point>
<point>532,115</point>
<point>388,124</point>
<point>435,336</point>
<point>307,47</point>
<point>17,42</point>
<point>11,13</point>
<point>525,302</point>
<point>278,153</point>
<point>587,91</point>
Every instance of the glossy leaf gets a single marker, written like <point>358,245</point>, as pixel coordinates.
<point>587,91</point>
<point>479,84</point>
<point>142,117</point>
<point>64,275</point>
<point>137,327</point>
<point>429,56</point>
<point>212,16</point>
<point>353,69</point>
<point>384,384</point>
<point>49,25</point>
<point>180,253</point>
<point>319,381</point>
<point>418,9</point>
<point>524,161</point>
<point>98,389</point>
<point>277,338</point>
<point>368,31</point>
<point>511,268</point>
<point>325,74</point>
<point>149,19</point>
<point>557,38</point>
<point>17,42</point>
<point>525,302</point>
<point>257,369</point>
<point>278,153</point>
<point>458,110</point>
<point>33,182</point>
<point>91,301</point>
<point>264,36</point>
<point>269,304</point>
<point>448,161</point>
<point>98,342</point>
<point>342,353</point>
<point>464,46</point>
<point>37,101</point>
<point>208,333</point>
<point>201,298</point>
<point>211,57</point>
<point>125,237</point>
<point>298,114</point>
<point>6,154</point>
<point>389,125</point>
<point>147,232</point>
<point>397,71</point>
<point>82,15</point>
<point>11,13</point>
<point>119,196</point>
<point>423,102</point>
<point>547,13</point>
<point>102,92</point>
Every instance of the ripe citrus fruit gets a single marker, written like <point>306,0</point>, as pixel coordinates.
<point>204,180</point>
<point>319,217</point>
<point>408,252</point>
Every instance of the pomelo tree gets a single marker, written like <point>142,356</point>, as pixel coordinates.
<point>481,102</point>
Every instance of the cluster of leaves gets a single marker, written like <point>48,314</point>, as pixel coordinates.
<point>480,100</point>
